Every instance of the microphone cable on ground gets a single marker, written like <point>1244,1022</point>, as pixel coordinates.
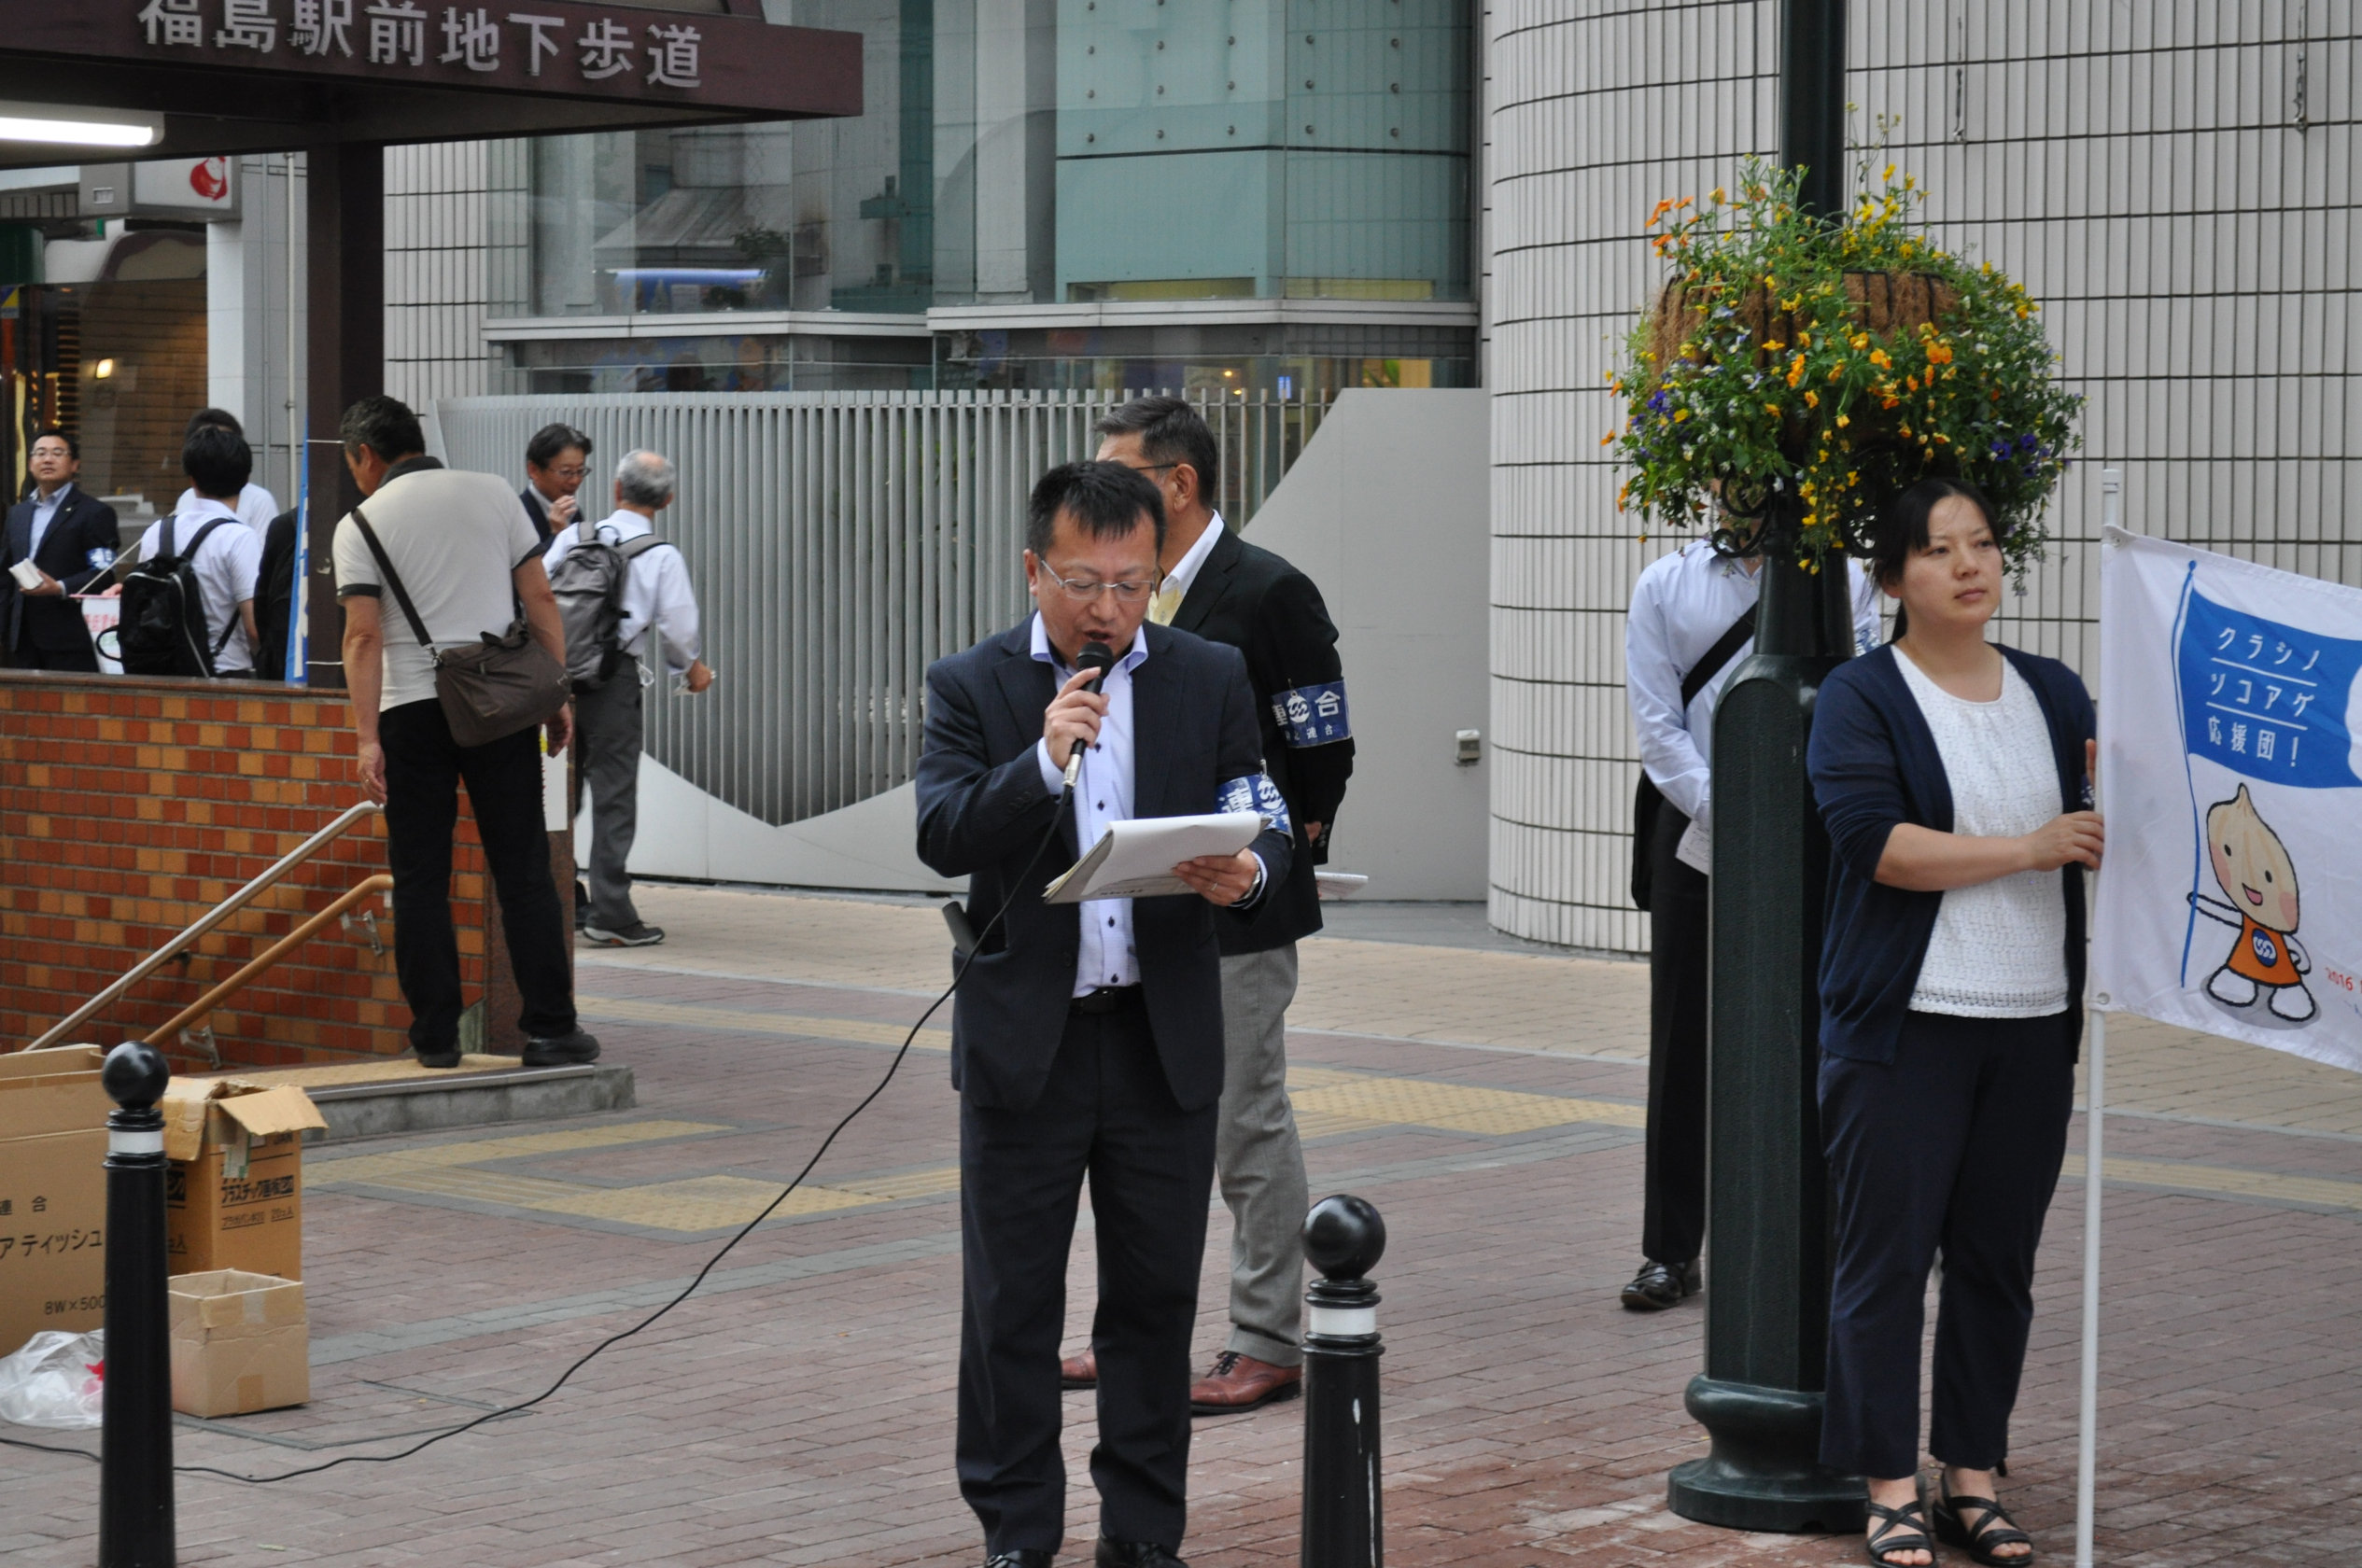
<point>743,1232</point>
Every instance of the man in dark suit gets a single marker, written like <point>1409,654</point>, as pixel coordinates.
<point>71,539</point>
<point>1228,590</point>
<point>556,460</point>
<point>1087,1038</point>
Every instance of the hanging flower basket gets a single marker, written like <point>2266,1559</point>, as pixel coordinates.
<point>1813,369</point>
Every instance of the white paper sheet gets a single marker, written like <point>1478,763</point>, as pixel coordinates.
<point>1134,858</point>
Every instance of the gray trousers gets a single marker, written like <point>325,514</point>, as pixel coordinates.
<point>608,720</point>
<point>1259,1160</point>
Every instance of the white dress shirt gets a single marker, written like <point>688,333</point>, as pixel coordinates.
<point>1103,794</point>
<point>256,507</point>
<point>44,513</point>
<point>1176,583</point>
<point>226,569</point>
<point>656,591</point>
<point>1680,608</point>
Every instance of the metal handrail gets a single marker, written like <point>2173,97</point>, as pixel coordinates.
<point>220,913</point>
<point>268,957</point>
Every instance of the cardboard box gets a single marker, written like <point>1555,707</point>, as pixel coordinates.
<point>233,1194</point>
<point>240,1343</point>
<point>53,1192</point>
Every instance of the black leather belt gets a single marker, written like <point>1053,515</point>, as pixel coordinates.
<point>1106,998</point>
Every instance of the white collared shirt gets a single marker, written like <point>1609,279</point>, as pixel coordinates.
<point>256,507</point>
<point>226,569</point>
<point>656,590</point>
<point>44,513</point>
<point>1103,794</point>
<point>1680,608</point>
<point>1185,571</point>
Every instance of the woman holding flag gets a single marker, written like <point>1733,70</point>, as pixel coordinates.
<point>1954,776</point>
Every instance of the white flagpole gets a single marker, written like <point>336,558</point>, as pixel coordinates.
<point>2087,1425</point>
<point>2095,1104</point>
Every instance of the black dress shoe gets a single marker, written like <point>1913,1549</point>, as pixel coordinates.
<point>566,1051</point>
<point>1659,1285</point>
<point>1022,1558</point>
<point>1133,1554</point>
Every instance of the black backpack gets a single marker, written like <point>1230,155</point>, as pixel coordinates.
<point>162,630</point>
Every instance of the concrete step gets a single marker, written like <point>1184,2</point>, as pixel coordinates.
<point>367,1099</point>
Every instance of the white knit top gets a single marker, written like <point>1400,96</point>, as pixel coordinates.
<point>2000,948</point>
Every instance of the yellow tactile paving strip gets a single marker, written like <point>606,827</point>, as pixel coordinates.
<point>1329,1102</point>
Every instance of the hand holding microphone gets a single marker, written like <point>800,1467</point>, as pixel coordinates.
<point>1071,725</point>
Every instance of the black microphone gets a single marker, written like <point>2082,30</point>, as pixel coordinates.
<point>1098,658</point>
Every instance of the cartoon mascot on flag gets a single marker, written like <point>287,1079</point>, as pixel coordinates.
<point>2257,876</point>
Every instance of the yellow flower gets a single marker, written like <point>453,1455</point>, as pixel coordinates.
<point>1772,408</point>
<point>1680,414</point>
<point>1889,173</point>
<point>1718,193</point>
<point>1796,371</point>
<point>1843,421</point>
<point>1608,440</point>
<point>1812,399</point>
<point>1878,358</point>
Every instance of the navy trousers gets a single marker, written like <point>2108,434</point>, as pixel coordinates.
<point>1673,1197</point>
<point>1106,1114</point>
<point>1954,1146</point>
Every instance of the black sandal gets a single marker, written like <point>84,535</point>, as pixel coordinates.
<point>1905,1530</point>
<point>1994,1528</point>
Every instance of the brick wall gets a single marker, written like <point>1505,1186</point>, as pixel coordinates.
<point>129,807</point>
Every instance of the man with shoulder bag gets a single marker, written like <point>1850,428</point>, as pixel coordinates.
<point>455,683</point>
<point>1692,625</point>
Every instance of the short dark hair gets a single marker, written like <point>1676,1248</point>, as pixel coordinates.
<point>218,462</point>
<point>551,440</point>
<point>1106,500</point>
<point>383,425</point>
<point>73,445</point>
<point>218,419</point>
<point>1170,431</point>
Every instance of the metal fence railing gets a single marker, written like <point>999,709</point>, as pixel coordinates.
<point>839,542</point>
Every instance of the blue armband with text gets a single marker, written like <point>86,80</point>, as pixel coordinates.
<point>1312,715</point>
<point>1256,793</point>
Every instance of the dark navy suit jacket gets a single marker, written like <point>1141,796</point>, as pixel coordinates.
<point>1874,765</point>
<point>82,525</point>
<point>983,812</point>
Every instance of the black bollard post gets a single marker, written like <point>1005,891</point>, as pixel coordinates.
<point>1343,1523</point>
<point>135,1482</point>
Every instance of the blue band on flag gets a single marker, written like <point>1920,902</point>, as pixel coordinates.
<point>1312,715</point>
<point>1256,793</point>
<point>2265,699</point>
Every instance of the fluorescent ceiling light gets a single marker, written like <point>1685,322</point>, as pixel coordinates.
<point>66,125</point>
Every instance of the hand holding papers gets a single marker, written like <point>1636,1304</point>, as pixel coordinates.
<point>1134,858</point>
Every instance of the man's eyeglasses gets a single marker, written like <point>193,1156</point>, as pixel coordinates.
<point>1084,590</point>
<point>567,473</point>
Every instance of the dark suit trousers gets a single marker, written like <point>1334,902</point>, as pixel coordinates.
<point>423,766</point>
<point>1673,1203</point>
<point>1956,1144</point>
<point>29,656</point>
<point>1106,1114</point>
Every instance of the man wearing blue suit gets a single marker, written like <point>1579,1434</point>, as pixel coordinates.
<point>71,539</point>
<point>1086,1040</point>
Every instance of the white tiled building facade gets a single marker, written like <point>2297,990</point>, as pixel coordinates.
<point>2173,179</point>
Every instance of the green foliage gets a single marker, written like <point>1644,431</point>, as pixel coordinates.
<point>1816,369</point>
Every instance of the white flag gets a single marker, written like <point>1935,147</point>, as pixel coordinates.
<point>2230,898</point>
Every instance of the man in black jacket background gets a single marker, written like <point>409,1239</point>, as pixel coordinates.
<point>72,538</point>
<point>1085,1039</point>
<point>1220,587</point>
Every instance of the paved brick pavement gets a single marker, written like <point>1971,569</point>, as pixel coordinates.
<point>797,1408</point>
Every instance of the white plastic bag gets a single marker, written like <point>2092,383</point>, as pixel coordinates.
<point>56,1381</point>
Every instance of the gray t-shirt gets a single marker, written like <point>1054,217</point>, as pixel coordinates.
<point>454,538</point>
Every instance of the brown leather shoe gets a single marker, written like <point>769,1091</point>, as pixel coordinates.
<point>1079,1371</point>
<point>1240,1382</point>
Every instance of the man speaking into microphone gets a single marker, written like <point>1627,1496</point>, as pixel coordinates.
<point>1085,1039</point>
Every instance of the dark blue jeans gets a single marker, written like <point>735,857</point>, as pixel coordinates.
<point>1955,1144</point>
<point>424,768</point>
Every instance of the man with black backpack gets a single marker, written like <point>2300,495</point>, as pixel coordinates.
<point>189,604</point>
<point>617,581</point>
<point>1692,624</point>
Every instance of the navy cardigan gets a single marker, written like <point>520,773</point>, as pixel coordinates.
<point>1874,765</point>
